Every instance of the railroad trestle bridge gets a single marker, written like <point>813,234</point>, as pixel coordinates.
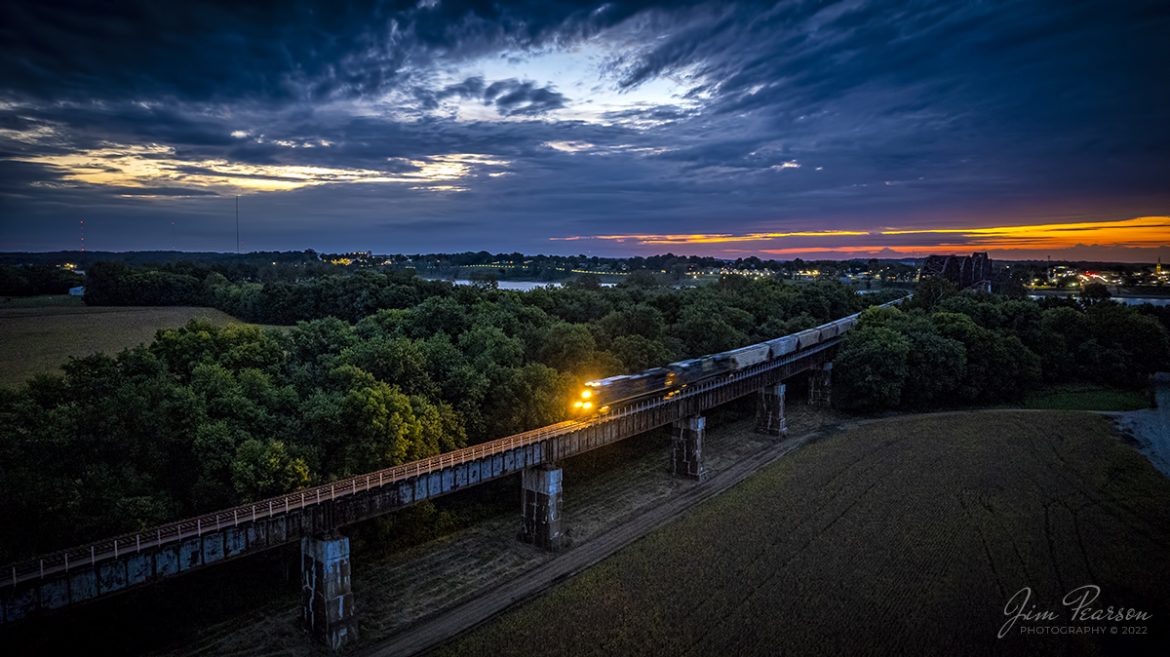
<point>314,516</point>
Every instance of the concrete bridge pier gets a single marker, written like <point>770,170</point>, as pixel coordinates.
<point>686,447</point>
<point>327,597</point>
<point>770,417</point>
<point>820,385</point>
<point>541,499</point>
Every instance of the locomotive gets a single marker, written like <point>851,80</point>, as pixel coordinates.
<point>602,396</point>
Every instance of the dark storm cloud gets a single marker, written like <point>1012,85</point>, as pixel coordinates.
<point>513,97</point>
<point>161,191</point>
<point>797,114</point>
<point>510,97</point>
<point>275,50</point>
<point>192,50</point>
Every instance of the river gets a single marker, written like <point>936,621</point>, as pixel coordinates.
<point>1129,301</point>
<point>521,286</point>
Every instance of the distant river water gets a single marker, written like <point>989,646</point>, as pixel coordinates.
<point>1129,301</point>
<point>522,286</point>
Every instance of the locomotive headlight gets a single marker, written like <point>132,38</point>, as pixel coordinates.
<point>587,405</point>
<point>586,394</point>
<point>577,405</point>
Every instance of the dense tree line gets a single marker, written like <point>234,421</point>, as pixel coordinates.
<point>382,367</point>
<point>352,295</point>
<point>252,261</point>
<point>387,368</point>
<point>30,280</point>
<point>945,349</point>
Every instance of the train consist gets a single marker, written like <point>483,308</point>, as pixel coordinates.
<point>604,395</point>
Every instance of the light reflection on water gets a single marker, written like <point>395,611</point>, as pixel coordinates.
<point>1129,301</point>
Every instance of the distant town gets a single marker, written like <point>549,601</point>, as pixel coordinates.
<point>1035,277</point>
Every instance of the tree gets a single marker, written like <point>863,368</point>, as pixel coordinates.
<point>527,397</point>
<point>567,347</point>
<point>487,280</point>
<point>935,368</point>
<point>640,319</point>
<point>638,353</point>
<point>870,371</point>
<point>214,452</point>
<point>644,278</point>
<point>400,361</point>
<point>1095,293</point>
<point>705,332</point>
<point>1136,344</point>
<point>998,367</point>
<point>1064,331</point>
<point>585,282</point>
<point>932,291</point>
<point>435,315</point>
<point>263,468</point>
<point>36,279</point>
<point>488,346</point>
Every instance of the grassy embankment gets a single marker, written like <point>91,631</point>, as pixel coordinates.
<point>42,301</point>
<point>1087,398</point>
<point>39,334</point>
<point>906,536</point>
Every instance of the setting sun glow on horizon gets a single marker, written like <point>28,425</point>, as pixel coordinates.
<point>1012,242</point>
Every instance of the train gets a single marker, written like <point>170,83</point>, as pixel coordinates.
<point>602,396</point>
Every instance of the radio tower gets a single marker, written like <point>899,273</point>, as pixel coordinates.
<point>83,236</point>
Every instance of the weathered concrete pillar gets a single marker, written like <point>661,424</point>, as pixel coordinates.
<point>770,417</point>
<point>327,598</point>
<point>686,447</point>
<point>820,385</point>
<point>540,506</point>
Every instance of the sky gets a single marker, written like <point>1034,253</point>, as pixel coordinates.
<point>792,129</point>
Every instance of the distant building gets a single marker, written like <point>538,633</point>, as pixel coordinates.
<point>963,271</point>
<point>78,291</point>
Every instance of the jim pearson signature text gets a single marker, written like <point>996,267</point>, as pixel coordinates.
<point>1078,604</point>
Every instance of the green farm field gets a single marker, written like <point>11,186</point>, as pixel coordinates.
<point>898,537</point>
<point>39,338</point>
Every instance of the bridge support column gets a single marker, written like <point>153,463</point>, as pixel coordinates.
<point>540,506</point>
<point>327,598</point>
<point>770,417</point>
<point>820,385</point>
<point>686,447</point>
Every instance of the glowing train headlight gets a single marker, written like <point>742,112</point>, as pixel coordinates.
<point>586,394</point>
<point>587,405</point>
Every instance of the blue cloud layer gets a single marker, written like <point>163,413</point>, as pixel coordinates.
<point>796,115</point>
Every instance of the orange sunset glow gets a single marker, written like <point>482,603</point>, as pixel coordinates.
<point>1020,241</point>
<point>713,238</point>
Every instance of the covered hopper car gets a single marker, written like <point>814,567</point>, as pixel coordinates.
<point>602,396</point>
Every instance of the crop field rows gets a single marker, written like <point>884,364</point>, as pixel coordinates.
<point>900,537</point>
<point>40,339</point>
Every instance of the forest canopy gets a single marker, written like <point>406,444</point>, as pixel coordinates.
<point>382,368</point>
<point>379,369</point>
